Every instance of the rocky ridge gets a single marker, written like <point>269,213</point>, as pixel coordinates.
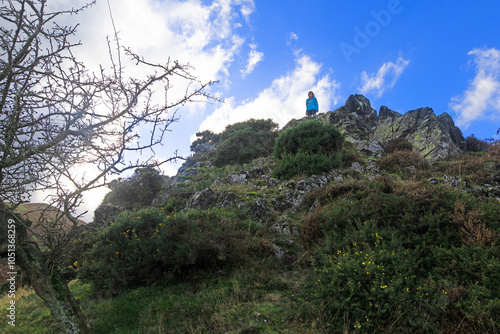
<point>433,137</point>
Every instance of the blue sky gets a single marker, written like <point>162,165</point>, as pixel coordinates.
<point>404,54</point>
<point>267,54</point>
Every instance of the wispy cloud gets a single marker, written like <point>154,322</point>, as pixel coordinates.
<point>282,101</point>
<point>254,57</point>
<point>482,97</point>
<point>292,38</point>
<point>207,36</point>
<point>385,78</point>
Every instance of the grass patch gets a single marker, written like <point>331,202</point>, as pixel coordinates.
<point>31,314</point>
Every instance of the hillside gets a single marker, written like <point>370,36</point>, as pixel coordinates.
<point>34,213</point>
<point>354,222</point>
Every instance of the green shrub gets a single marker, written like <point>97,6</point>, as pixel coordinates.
<point>394,258</point>
<point>146,246</point>
<point>304,163</point>
<point>370,286</point>
<point>137,191</point>
<point>309,148</point>
<point>245,141</point>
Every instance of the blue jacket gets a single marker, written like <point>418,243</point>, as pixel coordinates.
<point>312,104</point>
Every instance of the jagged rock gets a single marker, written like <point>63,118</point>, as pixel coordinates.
<point>284,227</point>
<point>433,137</point>
<point>270,181</point>
<point>261,211</point>
<point>360,105</point>
<point>294,193</point>
<point>256,172</point>
<point>373,149</point>
<point>357,167</point>
<point>356,119</point>
<point>240,178</point>
<point>486,190</point>
<point>202,200</point>
<point>278,252</point>
<point>226,199</point>
<point>454,181</point>
<point>190,172</point>
<point>386,113</point>
<point>290,200</point>
<point>433,180</point>
<point>205,147</point>
<point>372,169</point>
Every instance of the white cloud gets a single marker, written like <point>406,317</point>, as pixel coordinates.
<point>247,8</point>
<point>282,101</point>
<point>384,79</point>
<point>207,36</point>
<point>291,39</point>
<point>204,35</point>
<point>482,97</point>
<point>254,57</point>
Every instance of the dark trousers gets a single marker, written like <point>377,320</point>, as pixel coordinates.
<point>311,112</point>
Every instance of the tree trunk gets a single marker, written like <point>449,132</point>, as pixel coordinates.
<point>50,286</point>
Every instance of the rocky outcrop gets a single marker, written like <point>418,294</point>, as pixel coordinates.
<point>433,137</point>
<point>356,119</point>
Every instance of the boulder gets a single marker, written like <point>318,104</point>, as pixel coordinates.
<point>356,119</point>
<point>203,200</point>
<point>433,137</point>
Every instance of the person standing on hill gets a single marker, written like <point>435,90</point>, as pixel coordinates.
<point>312,106</point>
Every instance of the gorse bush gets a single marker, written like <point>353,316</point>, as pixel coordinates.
<point>310,147</point>
<point>242,142</point>
<point>149,245</point>
<point>392,257</point>
<point>370,286</point>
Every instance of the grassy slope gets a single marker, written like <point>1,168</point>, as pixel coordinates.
<point>257,298</point>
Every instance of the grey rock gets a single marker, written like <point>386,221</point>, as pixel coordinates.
<point>433,137</point>
<point>278,252</point>
<point>202,200</point>
<point>256,172</point>
<point>357,167</point>
<point>284,227</point>
<point>386,113</point>
<point>454,181</point>
<point>373,149</point>
<point>226,199</point>
<point>260,211</point>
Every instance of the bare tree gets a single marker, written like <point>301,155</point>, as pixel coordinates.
<point>55,116</point>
